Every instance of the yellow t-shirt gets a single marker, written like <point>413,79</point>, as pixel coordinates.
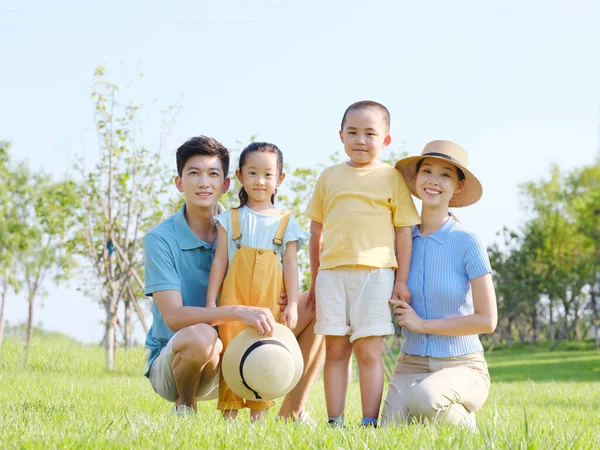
<point>359,208</point>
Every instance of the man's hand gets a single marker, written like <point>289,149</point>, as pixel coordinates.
<point>401,291</point>
<point>260,318</point>
<point>290,316</point>
<point>407,317</point>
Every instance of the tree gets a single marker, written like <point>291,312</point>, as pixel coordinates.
<point>584,187</point>
<point>12,182</point>
<point>50,212</point>
<point>123,196</point>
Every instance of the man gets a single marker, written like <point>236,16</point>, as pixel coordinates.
<point>183,363</point>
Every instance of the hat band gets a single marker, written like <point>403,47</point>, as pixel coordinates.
<point>247,353</point>
<point>443,155</point>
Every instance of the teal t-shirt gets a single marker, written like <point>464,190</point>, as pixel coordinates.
<point>174,259</point>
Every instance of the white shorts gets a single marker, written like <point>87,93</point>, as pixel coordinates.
<point>162,379</point>
<point>354,302</point>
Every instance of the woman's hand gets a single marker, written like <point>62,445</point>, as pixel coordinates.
<point>407,317</point>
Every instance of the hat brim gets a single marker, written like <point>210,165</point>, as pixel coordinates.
<point>230,364</point>
<point>470,194</point>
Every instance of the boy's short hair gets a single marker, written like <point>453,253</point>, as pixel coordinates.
<point>368,104</point>
<point>204,146</point>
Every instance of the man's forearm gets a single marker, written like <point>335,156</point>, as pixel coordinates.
<point>191,315</point>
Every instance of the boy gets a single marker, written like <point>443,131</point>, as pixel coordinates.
<point>184,350</point>
<point>358,209</point>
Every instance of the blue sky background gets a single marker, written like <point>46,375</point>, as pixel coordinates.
<point>517,84</point>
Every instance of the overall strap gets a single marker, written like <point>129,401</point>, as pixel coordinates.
<point>283,223</point>
<point>235,226</point>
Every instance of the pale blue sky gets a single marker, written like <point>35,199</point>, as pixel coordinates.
<point>516,83</point>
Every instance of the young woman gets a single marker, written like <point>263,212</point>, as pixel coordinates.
<point>441,373</point>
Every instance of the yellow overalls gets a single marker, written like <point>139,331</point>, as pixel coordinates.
<point>254,278</point>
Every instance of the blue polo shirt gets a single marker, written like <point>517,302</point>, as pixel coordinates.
<point>441,267</point>
<point>174,259</point>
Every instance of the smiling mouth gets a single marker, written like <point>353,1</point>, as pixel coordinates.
<point>204,194</point>
<point>432,191</point>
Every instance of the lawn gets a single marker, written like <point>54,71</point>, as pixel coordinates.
<point>65,399</point>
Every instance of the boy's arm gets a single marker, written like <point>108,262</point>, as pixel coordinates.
<point>403,254</point>
<point>290,280</point>
<point>218,269</point>
<point>314,251</point>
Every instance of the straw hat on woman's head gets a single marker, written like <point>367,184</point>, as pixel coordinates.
<point>258,367</point>
<point>446,151</point>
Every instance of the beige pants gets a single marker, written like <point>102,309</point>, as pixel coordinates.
<point>448,389</point>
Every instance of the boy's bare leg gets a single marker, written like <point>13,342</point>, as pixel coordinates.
<point>313,352</point>
<point>370,372</point>
<point>197,351</point>
<point>337,358</point>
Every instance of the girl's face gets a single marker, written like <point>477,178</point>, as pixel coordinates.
<point>260,177</point>
<point>437,182</point>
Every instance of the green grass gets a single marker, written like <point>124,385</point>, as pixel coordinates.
<point>65,399</point>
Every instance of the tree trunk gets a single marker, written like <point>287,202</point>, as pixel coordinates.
<point>128,325</point>
<point>535,332</point>
<point>594,316</point>
<point>509,333</point>
<point>552,326</point>
<point>30,299</point>
<point>2,307</point>
<point>594,319</point>
<point>109,342</point>
<point>110,337</point>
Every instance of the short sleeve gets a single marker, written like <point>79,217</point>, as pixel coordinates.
<point>224,219</point>
<point>159,266</point>
<point>314,211</point>
<point>404,213</point>
<point>294,232</point>
<point>477,261</point>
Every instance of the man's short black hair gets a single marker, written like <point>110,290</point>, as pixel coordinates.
<point>368,104</point>
<point>204,146</point>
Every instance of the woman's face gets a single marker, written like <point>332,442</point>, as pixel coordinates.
<point>437,182</point>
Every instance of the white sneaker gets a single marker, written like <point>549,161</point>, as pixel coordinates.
<point>183,410</point>
<point>305,419</point>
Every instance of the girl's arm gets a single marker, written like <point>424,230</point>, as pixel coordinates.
<point>314,251</point>
<point>218,269</point>
<point>290,280</point>
<point>482,321</point>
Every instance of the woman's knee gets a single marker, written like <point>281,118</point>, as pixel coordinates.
<point>423,401</point>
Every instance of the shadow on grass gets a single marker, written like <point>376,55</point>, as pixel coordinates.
<point>571,361</point>
<point>535,365</point>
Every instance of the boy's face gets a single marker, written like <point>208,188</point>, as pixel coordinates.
<point>202,181</point>
<point>364,135</point>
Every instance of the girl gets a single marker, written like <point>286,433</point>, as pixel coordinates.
<point>257,247</point>
<point>441,372</point>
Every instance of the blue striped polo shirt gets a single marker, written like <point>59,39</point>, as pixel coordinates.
<point>441,267</point>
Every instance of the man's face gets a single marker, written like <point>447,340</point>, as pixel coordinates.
<point>202,181</point>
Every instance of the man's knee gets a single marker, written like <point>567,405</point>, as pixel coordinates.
<point>201,341</point>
